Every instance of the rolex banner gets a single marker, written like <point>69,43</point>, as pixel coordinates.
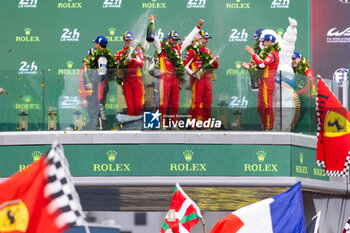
<point>183,213</point>
<point>41,198</point>
<point>333,136</point>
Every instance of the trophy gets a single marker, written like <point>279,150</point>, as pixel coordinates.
<point>23,120</point>
<point>237,120</point>
<point>78,119</point>
<point>223,113</point>
<point>52,119</point>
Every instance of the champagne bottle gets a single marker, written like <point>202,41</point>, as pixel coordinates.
<point>151,32</point>
<point>205,66</point>
<point>254,79</point>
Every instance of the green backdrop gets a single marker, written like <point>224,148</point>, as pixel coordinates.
<point>44,42</point>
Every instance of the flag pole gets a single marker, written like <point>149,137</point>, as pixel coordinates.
<point>87,230</point>
<point>204,229</point>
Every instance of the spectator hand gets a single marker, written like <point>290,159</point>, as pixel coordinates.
<point>1,91</point>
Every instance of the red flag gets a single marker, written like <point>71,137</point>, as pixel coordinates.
<point>31,201</point>
<point>333,132</point>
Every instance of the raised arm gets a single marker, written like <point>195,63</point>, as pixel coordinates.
<point>156,42</point>
<point>190,37</point>
<point>187,61</point>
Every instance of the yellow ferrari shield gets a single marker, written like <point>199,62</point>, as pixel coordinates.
<point>13,216</point>
<point>336,125</point>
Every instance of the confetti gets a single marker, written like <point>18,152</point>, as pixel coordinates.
<point>64,132</point>
<point>20,96</point>
<point>25,85</point>
<point>7,93</point>
<point>19,78</point>
<point>10,51</point>
<point>155,90</point>
<point>58,80</point>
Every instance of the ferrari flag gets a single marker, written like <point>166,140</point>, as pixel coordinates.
<point>41,198</point>
<point>333,132</point>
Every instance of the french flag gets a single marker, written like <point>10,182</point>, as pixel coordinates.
<point>283,213</point>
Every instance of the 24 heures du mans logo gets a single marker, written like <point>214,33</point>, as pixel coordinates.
<point>260,166</point>
<point>112,4</point>
<point>238,36</point>
<point>112,166</point>
<point>27,37</point>
<point>187,166</point>
<point>69,4</point>
<point>154,4</point>
<point>335,35</point>
<point>70,35</point>
<point>238,4</point>
<point>196,3</point>
<point>280,4</point>
<point>27,68</point>
<point>27,3</point>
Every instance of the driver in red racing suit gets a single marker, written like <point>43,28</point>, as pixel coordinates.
<point>169,85</point>
<point>201,84</point>
<point>133,84</point>
<point>267,81</point>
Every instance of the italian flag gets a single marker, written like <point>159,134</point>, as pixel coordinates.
<point>182,215</point>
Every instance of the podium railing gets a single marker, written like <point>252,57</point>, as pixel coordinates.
<point>72,99</point>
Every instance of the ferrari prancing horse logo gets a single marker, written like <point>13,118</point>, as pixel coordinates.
<point>13,216</point>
